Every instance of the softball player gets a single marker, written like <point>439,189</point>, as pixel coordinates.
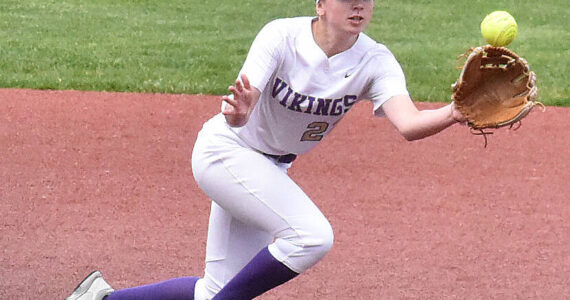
<point>301,76</point>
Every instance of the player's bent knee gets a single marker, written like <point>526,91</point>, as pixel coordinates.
<point>321,242</point>
<point>302,247</point>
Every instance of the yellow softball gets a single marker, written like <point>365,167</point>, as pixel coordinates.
<point>499,28</point>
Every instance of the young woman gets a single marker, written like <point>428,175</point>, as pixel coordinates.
<point>301,76</point>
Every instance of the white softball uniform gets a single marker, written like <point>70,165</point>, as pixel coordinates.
<point>304,94</point>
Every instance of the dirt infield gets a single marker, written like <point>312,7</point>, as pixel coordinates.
<point>103,181</point>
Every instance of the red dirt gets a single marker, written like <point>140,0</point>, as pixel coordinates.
<point>103,181</point>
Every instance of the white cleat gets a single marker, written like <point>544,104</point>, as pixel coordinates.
<point>93,287</point>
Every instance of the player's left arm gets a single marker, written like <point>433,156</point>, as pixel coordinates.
<point>416,124</point>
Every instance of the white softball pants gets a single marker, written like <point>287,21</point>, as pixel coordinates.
<point>255,204</point>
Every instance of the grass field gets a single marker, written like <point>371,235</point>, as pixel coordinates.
<point>191,46</point>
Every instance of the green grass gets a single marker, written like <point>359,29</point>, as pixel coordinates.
<point>191,46</point>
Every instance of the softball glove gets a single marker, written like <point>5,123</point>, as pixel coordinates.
<point>495,88</point>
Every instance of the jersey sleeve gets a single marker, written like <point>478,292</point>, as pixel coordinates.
<point>264,55</point>
<point>388,81</point>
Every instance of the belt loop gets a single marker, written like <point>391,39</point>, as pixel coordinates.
<point>287,159</point>
<point>284,159</point>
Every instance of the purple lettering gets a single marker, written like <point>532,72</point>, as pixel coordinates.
<point>310,106</point>
<point>286,97</point>
<point>349,100</point>
<point>278,87</point>
<point>297,100</point>
<point>336,109</point>
<point>323,107</point>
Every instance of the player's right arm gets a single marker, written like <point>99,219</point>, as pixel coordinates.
<point>239,107</point>
<point>416,124</point>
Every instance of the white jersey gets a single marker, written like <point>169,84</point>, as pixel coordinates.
<point>304,93</point>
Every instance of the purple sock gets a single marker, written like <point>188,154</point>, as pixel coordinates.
<point>174,289</point>
<point>260,275</point>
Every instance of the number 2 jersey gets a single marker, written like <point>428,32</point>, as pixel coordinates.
<point>304,93</point>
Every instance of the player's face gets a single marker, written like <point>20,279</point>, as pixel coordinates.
<point>348,15</point>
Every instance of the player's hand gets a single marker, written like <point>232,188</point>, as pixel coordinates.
<point>240,106</point>
<point>457,115</point>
